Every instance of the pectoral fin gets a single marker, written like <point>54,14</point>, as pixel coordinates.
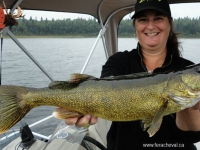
<point>157,120</point>
<point>146,123</point>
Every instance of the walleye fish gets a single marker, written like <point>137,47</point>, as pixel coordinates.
<point>122,98</point>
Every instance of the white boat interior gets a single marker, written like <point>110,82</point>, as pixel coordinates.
<point>109,13</point>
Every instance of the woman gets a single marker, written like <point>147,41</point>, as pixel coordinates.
<point>157,51</point>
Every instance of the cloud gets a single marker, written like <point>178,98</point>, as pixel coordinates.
<point>191,10</point>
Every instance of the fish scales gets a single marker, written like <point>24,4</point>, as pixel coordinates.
<point>92,97</point>
<point>122,98</point>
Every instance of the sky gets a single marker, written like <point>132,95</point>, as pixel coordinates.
<point>191,10</point>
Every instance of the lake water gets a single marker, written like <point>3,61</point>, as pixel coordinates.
<point>62,57</point>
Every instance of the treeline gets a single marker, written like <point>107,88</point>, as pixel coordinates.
<point>188,27</point>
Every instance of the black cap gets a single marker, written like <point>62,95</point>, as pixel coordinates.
<point>159,5</point>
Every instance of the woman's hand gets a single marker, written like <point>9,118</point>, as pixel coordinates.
<point>81,121</point>
<point>196,107</point>
<point>189,119</point>
<point>72,117</point>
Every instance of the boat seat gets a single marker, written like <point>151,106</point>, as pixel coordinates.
<point>100,130</point>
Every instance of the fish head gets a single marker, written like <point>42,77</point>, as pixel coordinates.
<point>184,88</point>
<point>192,79</point>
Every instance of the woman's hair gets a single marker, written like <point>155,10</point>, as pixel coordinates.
<point>172,42</point>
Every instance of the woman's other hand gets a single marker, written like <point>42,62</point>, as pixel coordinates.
<point>82,121</point>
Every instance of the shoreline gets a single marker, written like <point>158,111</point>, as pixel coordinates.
<point>77,36</point>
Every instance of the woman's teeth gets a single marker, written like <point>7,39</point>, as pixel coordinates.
<point>152,34</point>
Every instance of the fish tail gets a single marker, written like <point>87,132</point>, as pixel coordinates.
<point>12,106</point>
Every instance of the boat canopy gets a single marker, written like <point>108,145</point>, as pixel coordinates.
<point>108,12</point>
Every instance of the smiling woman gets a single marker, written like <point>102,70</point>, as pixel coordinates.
<point>152,29</point>
<point>157,51</point>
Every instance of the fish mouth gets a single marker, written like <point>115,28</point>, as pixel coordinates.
<point>152,34</point>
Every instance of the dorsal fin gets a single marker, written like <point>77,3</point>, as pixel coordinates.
<point>129,76</point>
<point>78,78</point>
<point>75,79</point>
<point>65,85</point>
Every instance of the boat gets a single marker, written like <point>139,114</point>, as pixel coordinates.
<point>109,13</point>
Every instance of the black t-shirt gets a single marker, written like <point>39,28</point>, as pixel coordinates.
<point>130,135</point>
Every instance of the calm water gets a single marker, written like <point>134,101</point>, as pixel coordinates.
<point>62,57</point>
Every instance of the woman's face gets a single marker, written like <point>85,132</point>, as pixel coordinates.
<point>152,29</point>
